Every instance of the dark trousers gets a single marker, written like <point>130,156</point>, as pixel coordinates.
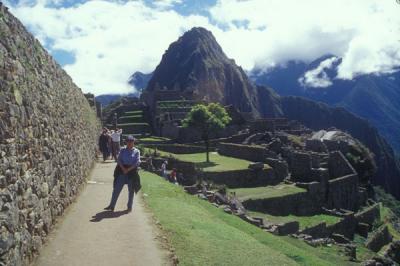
<point>119,183</point>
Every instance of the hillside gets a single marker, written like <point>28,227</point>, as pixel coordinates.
<point>204,235</point>
<point>373,97</point>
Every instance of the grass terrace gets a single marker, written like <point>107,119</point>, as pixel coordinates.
<point>202,234</point>
<point>266,192</point>
<point>175,104</point>
<point>304,221</point>
<point>130,113</point>
<point>218,163</point>
<point>154,139</point>
<point>133,124</point>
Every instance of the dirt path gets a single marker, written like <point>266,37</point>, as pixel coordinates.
<point>87,235</point>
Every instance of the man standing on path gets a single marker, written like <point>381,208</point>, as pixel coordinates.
<point>116,138</point>
<point>126,172</point>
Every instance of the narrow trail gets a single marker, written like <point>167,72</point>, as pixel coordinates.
<point>88,235</point>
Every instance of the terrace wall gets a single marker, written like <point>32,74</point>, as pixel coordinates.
<point>245,152</point>
<point>243,178</point>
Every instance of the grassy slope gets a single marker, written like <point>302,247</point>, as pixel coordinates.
<point>266,192</point>
<point>217,163</point>
<point>204,235</point>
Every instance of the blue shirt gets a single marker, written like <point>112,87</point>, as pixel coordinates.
<point>129,157</point>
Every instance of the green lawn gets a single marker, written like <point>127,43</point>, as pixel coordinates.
<point>218,163</point>
<point>304,221</point>
<point>154,139</point>
<point>202,234</point>
<point>266,192</point>
<point>133,124</point>
<point>138,112</point>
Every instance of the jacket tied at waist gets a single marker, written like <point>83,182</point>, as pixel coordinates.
<point>134,174</point>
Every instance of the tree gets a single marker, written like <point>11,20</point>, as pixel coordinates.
<point>207,118</point>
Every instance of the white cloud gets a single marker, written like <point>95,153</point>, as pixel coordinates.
<point>317,78</point>
<point>166,3</point>
<point>364,32</point>
<point>112,39</point>
<point>109,40</point>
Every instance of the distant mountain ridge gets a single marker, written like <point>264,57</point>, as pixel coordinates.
<point>137,80</point>
<point>373,97</point>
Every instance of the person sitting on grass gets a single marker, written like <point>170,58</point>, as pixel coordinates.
<point>172,176</point>
<point>126,172</point>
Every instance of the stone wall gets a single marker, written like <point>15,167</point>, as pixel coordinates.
<point>338,165</point>
<point>369,215</point>
<point>379,239</point>
<point>298,204</point>
<point>346,226</point>
<point>48,139</point>
<point>243,178</point>
<point>343,193</point>
<point>300,166</point>
<point>252,153</point>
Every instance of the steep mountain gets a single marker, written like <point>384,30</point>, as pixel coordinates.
<point>195,65</point>
<point>375,98</point>
<point>139,80</point>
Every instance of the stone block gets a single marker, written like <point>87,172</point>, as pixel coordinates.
<point>341,239</point>
<point>256,166</point>
<point>288,228</point>
<point>362,229</point>
<point>378,239</point>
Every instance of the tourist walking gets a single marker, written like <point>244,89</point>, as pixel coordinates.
<point>126,173</point>
<point>103,144</point>
<point>116,139</point>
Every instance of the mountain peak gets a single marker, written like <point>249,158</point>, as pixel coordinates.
<point>195,65</point>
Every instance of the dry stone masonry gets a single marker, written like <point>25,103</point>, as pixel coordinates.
<point>48,136</point>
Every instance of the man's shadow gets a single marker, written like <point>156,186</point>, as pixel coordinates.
<point>107,214</point>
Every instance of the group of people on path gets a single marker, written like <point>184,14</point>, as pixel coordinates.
<point>110,143</point>
<point>128,162</point>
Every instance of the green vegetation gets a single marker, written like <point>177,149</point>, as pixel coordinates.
<point>207,118</point>
<point>133,124</point>
<point>219,162</point>
<point>154,139</point>
<point>204,235</point>
<point>388,200</point>
<point>363,253</point>
<point>138,112</point>
<point>389,218</point>
<point>175,104</point>
<point>267,192</point>
<point>304,221</point>
<point>296,140</point>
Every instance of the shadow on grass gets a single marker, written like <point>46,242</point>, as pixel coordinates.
<point>206,164</point>
<point>107,215</point>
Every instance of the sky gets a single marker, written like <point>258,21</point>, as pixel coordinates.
<point>102,43</point>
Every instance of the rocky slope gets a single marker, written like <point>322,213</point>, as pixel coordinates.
<point>48,139</point>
